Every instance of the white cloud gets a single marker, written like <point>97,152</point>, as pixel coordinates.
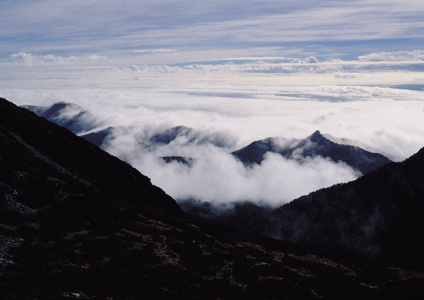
<point>400,56</point>
<point>154,50</point>
<point>216,176</point>
<point>31,59</point>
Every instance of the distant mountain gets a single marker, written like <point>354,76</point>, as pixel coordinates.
<point>188,161</point>
<point>99,138</point>
<point>186,135</point>
<point>84,123</point>
<point>68,115</point>
<point>102,137</point>
<point>79,120</point>
<point>167,136</point>
<point>312,146</point>
<point>76,222</point>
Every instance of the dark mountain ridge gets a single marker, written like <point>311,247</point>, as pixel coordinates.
<point>312,146</point>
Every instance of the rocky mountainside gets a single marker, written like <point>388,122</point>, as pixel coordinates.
<point>312,146</point>
<point>380,214</point>
<point>78,223</point>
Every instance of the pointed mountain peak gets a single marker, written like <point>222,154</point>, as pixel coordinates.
<point>58,108</point>
<point>316,136</point>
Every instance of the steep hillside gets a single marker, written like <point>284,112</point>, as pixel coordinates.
<point>33,144</point>
<point>380,214</point>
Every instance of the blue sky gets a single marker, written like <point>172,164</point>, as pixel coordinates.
<point>210,29</point>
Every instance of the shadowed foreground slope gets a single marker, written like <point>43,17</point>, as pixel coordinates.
<point>76,222</point>
<point>380,214</point>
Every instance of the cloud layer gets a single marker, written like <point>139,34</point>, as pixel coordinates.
<point>376,100</point>
<point>217,177</point>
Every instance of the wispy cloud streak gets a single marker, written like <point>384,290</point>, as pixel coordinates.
<point>110,27</point>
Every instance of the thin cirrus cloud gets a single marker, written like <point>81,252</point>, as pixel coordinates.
<point>417,55</point>
<point>111,28</point>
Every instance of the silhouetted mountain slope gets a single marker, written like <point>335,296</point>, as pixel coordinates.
<point>72,158</point>
<point>314,145</point>
<point>381,213</point>
<point>76,222</point>
<point>68,115</point>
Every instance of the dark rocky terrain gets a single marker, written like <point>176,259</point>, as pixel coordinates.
<point>380,214</point>
<point>78,223</point>
<point>312,146</point>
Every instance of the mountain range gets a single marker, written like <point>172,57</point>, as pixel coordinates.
<point>310,147</point>
<point>79,223</point>
<point>68,115</point>
<point>78,120</point>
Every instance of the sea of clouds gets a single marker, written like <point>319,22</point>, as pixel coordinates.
<point>377,100</point>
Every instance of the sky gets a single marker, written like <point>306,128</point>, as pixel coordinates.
<point>166,31</point>
<point>240,71</point>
